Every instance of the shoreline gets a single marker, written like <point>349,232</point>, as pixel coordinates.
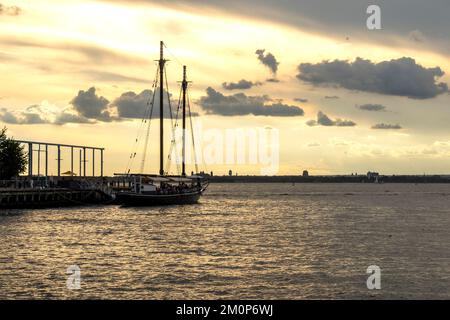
<point>69,191</point>
<point>332,179</point>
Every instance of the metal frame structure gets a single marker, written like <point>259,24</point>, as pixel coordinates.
<point>58,146</point>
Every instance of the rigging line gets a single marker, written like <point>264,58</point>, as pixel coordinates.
<point>139,132</point>
<point>192,132</point>
<point>149,117</point>
<point>136,142</point>
<point>144,155</point>
<point>143,121</point>
<point>176,125</point>
<point>173,55</point>
<point>171,122</point>
<point>173,140</point>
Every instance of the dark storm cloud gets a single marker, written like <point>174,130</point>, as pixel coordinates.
<point>268,60</point>
<point>324,120</point>
<point>384,126</point>
<point>90,105</point>
<point>400,77</point>
<point>10,10</point>
<point>240,85</point>
<point>371,107</point>
<point>240,104</point>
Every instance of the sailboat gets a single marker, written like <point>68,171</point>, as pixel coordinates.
<point>163,189</point>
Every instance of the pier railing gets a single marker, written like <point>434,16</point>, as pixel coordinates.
<point>35,148</point>
<point>37,192</point>
<point>107,185</point>
<point>26,184</point>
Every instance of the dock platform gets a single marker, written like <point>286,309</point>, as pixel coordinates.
<point>47,198</point>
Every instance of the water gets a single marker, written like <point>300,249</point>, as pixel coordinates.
<point>249,241</point>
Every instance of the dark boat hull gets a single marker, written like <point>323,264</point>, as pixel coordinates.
<point>133,199</point>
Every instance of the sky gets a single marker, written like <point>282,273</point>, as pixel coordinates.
<point>337,97</point>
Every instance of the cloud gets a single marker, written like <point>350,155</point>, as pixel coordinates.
<point>341,19</point>
<point>242,85</point>
<point>273,80</point>
<point>268,60</point>
<point>416,36</point>
<point>10,10</point>
<point>33,118</point>
<point>30,118</point>
<point>23,117</point>
<point>371,107</point>
<point>89,105</point>
<point>331,97</point>
<point>111,77</point>
<point>399,77</point>
<point>384,126</point>
<point>90,62</point>
<point>8,117</point>
<point>313,144</point>
<point>240,104</point>
<point>135,106</point>
<point>302,100</point>
<point>88,108</point>
<point>93,54</point>
<point>65,117</point>
<point>324,120</point>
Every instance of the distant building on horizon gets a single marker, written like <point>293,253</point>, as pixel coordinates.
<point>305,173</point>
<point>372,175</point>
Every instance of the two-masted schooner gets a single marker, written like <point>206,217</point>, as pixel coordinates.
<point>164,189</point>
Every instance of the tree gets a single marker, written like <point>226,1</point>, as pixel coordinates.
<point>13,158</point>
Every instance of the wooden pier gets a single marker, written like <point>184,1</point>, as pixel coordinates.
<point>47,198</point>
<point>48,192</point>
<point>38,189</point>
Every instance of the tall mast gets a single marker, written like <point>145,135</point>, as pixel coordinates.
<point>184,87</point>
<point>161,109</point>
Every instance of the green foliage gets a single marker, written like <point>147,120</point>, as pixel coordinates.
<point>13,158</point>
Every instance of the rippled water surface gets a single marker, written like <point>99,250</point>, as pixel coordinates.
<point>249,241</point>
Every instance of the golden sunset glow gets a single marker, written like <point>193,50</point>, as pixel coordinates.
<point>53,49</point>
